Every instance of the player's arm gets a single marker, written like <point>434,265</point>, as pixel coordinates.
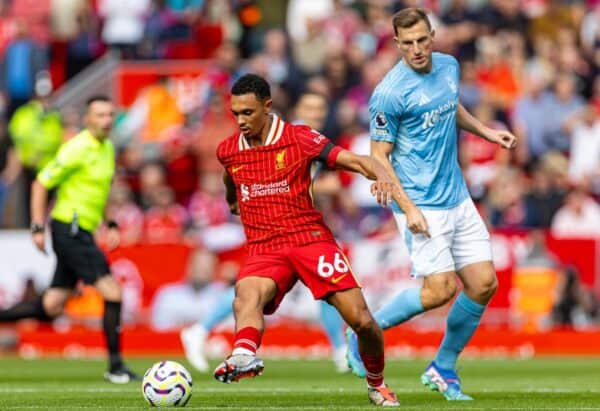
<point>380,151</point>
<point>369,167</point>
<point>467,122</point>
<point>69,158</point>
<point>230,194</point>
<point>39,202</point>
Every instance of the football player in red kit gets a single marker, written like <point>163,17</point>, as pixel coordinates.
<point>269,184</point>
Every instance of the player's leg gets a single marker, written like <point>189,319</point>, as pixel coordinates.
<point>437,290</point>
<point>472,254</point>
<point>439,284</point>
<point>50,304</point>
<point>353,308</point>
<point>333,324</point>
<point>480,284</point>
<point>252,294</point>
<point>110,290</point>
<point>46,307</point>
<point>194,337</point>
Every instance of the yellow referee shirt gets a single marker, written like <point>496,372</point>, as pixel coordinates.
<point>82,170</point>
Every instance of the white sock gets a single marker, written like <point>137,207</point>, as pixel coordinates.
<point>243,351</point>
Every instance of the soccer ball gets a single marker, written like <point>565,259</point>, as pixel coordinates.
<point>167,384</point>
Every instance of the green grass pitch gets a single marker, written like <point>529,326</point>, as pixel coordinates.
<point>539,384</point>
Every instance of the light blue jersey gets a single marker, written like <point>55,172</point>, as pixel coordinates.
<point>417,113</point>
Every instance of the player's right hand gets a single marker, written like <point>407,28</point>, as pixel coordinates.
<point>415,220</point>
<point>383,191</point>
<point>39,241</point>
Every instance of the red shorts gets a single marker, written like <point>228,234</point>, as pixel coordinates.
<point>321,266</point>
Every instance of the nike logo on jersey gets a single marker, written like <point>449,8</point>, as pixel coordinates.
<point>338,279</point>
<point>236,169</point>
<point>424,99</point>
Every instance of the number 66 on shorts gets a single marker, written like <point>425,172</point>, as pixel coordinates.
<point>321,266</point>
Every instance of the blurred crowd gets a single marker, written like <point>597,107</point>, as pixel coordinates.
<point>528,65</point>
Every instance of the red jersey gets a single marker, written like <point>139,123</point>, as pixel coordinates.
<point>273,185</point>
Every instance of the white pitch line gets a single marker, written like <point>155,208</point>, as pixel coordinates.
<point>234,390</point>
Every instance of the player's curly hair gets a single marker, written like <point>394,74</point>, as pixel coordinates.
<point>251,83</point>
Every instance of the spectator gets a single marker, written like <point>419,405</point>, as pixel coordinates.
<point>22,62</point>
<point>530,115</point>
<point>507,208</point>
<point>463,25</point>
<point>162,25</point>
<point>85,45</point>
<point>212,224</point>
<point>180,163</point>
<point>216,123</point>
<point>504,15</point>
<point>123,24</point>
<point>165,221</point>
<point>208,206</point>
<point>125,213</point>
<point>584,159</point>
<point>8,26</point>
<point>480,159</point>
<point>180,304</point>
<point>578,218</point>
<point>544,197</point>
<point>37,133</point>
<point>64,15</point>
<point>590,30</point>
<point>305,26</point>
<point>564,101</point>
<point>469,91</point>
<point>9,168</point>
<point>575,304</point>
<point>152,178</point>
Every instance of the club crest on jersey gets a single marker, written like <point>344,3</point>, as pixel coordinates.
<point>245,191</point>
<point>280,160</point>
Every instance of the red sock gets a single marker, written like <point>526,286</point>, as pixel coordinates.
<point>246,341</point>
<point>374,365</point>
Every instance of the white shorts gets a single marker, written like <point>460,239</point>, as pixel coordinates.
<point>458,238</point>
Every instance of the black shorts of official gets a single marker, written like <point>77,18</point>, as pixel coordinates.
<point>77,256</point>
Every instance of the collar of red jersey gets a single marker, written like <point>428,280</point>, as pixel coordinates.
<point>275,133</point>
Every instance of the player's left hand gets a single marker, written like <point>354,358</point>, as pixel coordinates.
<point>504,138</point>
<point>113,238</point>
<point>383,192</point>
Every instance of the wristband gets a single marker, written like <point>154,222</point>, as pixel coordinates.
<point>36,228</point>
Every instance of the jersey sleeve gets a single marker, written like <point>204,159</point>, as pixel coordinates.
<point>315,146</point>
<point>69,158</point>
<point>222,152</point>
<point>384,118</point>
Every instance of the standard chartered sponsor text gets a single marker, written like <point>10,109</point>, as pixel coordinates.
<point>277,187</point>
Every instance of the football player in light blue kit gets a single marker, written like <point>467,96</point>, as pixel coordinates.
<point>415,113</point>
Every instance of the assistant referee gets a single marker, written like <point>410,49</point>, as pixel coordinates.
<point>81,172</point>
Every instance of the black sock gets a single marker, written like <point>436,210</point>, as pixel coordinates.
<point>111,323</point>
<point>25,309</point>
